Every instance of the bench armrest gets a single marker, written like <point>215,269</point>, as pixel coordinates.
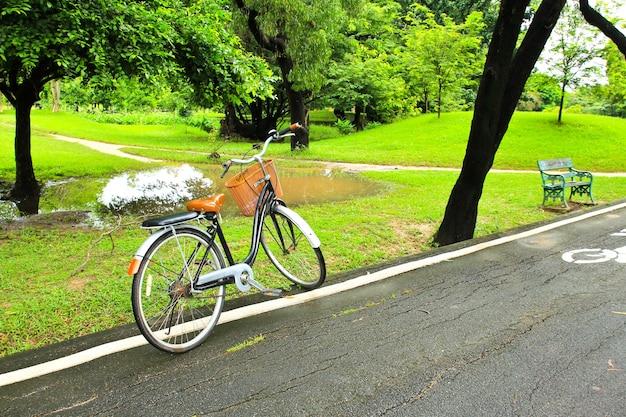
<point>552,179</point>
<point>582,175</point>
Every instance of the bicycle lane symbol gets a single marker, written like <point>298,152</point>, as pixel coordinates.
<point>592,256</point>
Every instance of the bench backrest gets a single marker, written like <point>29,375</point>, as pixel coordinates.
<point>555,164</point>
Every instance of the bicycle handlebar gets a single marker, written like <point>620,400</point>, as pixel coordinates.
<point>257,157</point>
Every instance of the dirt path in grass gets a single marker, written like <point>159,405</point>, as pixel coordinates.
<point>115,149</point>
<point>108,148</point>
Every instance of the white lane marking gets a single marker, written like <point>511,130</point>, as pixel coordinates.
<point>593,256</point>
<point>255,309</point>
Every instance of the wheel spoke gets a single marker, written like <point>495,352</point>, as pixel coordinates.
<point>291,252</point>
<point>169,314</point>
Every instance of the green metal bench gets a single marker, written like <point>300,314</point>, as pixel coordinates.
<point>559,174</point>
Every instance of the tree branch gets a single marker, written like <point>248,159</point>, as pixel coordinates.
<point>596,19</point>
<point>527,55</point>
<point>273,44</point>
<point>108,233</point>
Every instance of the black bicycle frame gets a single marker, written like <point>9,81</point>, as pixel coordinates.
<point>266,199</point>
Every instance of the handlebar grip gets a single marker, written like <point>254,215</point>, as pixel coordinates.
<point>291,128</point>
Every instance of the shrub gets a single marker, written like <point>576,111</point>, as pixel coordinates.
<point>345,127</point>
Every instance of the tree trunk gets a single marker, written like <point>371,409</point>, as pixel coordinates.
<point>358,122</point>
<point>561,102</point>
<point>502,83</point>
<point>26,189</point>
<point>298,110</point>
<point>439,100</point>
<point>55,88</point>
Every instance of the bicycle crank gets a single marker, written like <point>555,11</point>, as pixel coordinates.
<point>243,276</point>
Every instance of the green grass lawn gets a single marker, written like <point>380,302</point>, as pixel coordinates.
<point>593,142</point>
<point>60,280</point>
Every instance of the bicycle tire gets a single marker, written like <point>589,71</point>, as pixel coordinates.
<point>168,314</point>
<point>288,248</point>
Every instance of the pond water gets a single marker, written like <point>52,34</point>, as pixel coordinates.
<point>165,190</point>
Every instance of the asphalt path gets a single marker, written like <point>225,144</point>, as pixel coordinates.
<point>529,323</point>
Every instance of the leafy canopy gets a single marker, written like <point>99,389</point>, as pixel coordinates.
<point>307,30</point>
<point>42,40</point>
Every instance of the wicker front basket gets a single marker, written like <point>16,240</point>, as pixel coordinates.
<point>245,186</point>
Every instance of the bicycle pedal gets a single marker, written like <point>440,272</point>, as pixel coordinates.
<point>272,292</point>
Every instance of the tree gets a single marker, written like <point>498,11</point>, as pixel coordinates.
<point>443,56</point>
<point>49,40</point>
<point>253,120</point>
<point>458,10</point>
<point>296,34</point>
<point>364,73</point>
<point>370,86</point>
<point>506,70</point>
<point>571,58</point>
<point>616,74</point>
<point>541,89</point>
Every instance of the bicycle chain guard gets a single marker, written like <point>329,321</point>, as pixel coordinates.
<point>244,279</point>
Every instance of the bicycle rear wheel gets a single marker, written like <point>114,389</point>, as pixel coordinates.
<point>169,315</point>
<point>287,246</point>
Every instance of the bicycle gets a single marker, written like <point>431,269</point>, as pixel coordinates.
<point>180,272</point>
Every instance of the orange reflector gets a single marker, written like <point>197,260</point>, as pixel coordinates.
<point>134,265</point>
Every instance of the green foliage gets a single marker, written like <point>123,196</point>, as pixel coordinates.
<point>442,59</point>
<point>345,126</point>
<point>70,38</point>
<point>153,40</point>
<point>183,41</point>
<point>458,10</point>
<point>308,30</point>
<point>616,73</point>
<point>571,57</point>
<point>208,123</point>
<point>364,74</point>
<point>541,91</point>
<point>213,60</point>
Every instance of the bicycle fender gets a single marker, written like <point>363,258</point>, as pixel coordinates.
<point>145,245</point>
<point>304,226</point>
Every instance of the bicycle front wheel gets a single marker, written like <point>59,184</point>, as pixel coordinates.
<point>287,246</point>
<point>171,316</point>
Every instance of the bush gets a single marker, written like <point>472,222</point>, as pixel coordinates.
<point>345,127</point>
<point>154,118</point>
<point>200,121</point>
<point>185,112</point>
<point>372,125</point>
